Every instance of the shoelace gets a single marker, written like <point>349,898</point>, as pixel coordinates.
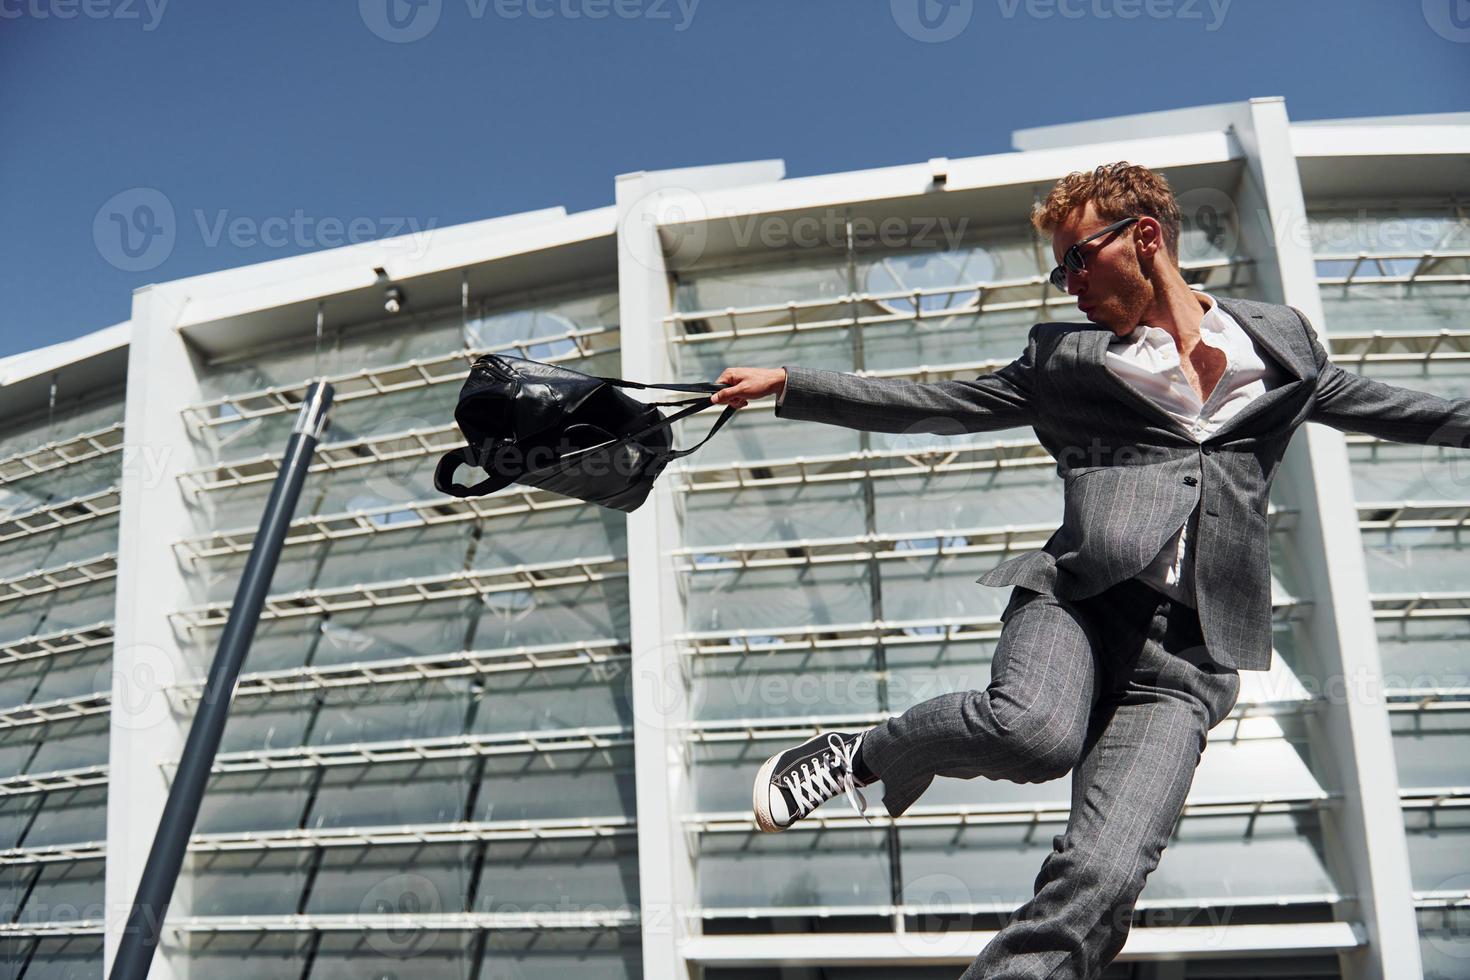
<point>811,788</point>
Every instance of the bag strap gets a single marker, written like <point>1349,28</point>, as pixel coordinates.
<point>695,405</point>
<point>699,405</point>
<point>708,387</point>
<point>450,461</point>
<point>444,477</point>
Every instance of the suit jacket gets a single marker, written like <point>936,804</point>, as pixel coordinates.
<point>1131,473</point>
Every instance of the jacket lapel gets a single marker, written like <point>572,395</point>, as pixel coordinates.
<point>1094,349</point>
<point>1268,341</point>
<point>1254,324</point>
<point>1095,346</point>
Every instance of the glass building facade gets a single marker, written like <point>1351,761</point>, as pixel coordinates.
<point>513,737</point>
<point>1393,276</point>
<point>61,472</point>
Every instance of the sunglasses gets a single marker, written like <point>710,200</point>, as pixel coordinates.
<point>1072,260</point>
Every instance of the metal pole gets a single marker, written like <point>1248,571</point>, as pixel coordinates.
<point>161,873</point>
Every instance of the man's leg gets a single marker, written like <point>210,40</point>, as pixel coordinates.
<point>1161,695</point>
<point>1029,725</point>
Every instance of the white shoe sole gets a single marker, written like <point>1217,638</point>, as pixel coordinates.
<point>760,797</point>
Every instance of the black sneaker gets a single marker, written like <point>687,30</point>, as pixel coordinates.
<point>795,782</point>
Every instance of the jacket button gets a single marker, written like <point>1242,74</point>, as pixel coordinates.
<point>1207,449</point>
<point>1190,481</point>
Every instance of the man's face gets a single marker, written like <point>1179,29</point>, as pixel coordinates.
<point>1112,291</point>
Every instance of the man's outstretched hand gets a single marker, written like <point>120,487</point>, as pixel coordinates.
<point>747,384</point>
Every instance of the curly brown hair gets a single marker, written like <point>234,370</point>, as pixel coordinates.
<point>1117,190</point>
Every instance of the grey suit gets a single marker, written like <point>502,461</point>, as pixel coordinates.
<point>1132,474</point>
<point>1095,672</point>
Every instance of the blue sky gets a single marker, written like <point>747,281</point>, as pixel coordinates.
<point>273,127</point>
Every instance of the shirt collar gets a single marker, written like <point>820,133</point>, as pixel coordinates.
<point>1143,333</point>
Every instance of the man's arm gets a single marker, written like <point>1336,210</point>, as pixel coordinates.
<point>1353,403</point>
<point>999,400</point>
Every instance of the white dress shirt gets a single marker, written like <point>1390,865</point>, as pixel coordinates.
<point>1148,359</point>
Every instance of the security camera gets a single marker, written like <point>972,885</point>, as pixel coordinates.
<point>393,299</point>
<point>939,172</point>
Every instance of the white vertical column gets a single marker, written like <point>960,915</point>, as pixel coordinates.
<point>148,658</point>
<point>665,864</point>
<point>666,857</point>
<point>1352,734</point>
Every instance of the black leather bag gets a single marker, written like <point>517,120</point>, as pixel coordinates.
<point>557,429</point>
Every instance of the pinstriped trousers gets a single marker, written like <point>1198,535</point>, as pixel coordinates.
<point>1118,689</point>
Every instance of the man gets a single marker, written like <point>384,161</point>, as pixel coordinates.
<point>1168,415</point>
